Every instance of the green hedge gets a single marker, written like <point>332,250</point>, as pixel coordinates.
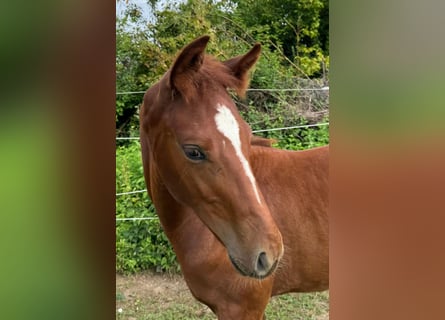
<point>141,244</point>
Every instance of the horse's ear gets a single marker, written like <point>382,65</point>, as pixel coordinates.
<point>188,63</point>
<point>240,66</point>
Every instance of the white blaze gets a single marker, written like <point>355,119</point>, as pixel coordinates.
<point>228,126</point>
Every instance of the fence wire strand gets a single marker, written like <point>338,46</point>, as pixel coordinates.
<point>251,89</point>
<point>255,131</point>
<point>130,192</point>
<point>137,219</point>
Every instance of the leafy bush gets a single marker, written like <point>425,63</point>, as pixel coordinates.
<point>286,109</point>
<point>302,138</point>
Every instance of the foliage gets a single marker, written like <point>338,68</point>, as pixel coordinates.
<point>300,139</point>
<point>292,139</point>
<point>284,109</point>
<point>298,28</point>
<point>138,65</point>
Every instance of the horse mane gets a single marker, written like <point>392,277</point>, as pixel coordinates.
<point>211,75</point>
<point>262,142</point>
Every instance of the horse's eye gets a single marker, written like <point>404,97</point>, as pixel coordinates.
<point>193,152</point>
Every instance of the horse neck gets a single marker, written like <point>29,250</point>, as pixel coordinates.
<point>171,213</point>
<point>180,223</point>
<point>266,161</point>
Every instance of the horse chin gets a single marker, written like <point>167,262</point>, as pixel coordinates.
<point>240,268</point>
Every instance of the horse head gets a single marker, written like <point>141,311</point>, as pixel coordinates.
<point>200,146</point>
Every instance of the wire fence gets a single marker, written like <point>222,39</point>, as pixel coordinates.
<point>256,131</point>
<point>326,88</point>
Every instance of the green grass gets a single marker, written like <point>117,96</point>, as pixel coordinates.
<point>307,306</point>
<point>150,296</point>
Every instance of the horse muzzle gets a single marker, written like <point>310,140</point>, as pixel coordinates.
<point>260,268</point>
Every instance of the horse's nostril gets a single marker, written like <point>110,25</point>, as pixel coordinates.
<point>262,264</point>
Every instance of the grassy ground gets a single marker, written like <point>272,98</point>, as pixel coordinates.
<point>161,296</point>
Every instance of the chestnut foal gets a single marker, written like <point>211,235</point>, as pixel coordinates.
<point>245,220</point>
